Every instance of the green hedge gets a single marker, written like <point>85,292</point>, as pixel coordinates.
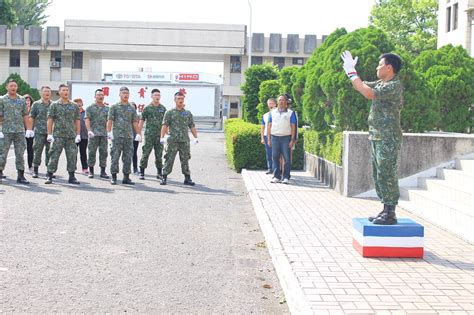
<point>325,144</point>
<point>244,150</point>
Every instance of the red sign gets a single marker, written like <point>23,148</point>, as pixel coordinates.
<point>188,77</point>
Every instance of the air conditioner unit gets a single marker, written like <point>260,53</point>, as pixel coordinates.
<point>55,64</point>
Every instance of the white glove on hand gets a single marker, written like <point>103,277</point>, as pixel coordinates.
<point>90,134</point>
<point>2,135</point>
<point>29,133</point>
<point>349,64</point>
<point>78,139</point>
<point>138,138</point>
<point>110,135</point>
<point>195,141</point>
<point>162,140</point>
<point>50,138</point>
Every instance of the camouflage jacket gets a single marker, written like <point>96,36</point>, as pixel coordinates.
<point>178,121</point>
<point>64,116</point>
<point>384,116</point>
<point>39,112</point>
<point>98,119</point>
<point>122,116</point>
<point>12,111</point>
<point>153,116</point>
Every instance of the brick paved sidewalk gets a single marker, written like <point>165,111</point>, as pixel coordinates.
<point>308,232</point>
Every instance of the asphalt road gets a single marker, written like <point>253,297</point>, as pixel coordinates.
<point>147,248</point>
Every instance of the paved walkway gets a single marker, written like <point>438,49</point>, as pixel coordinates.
<point>307,227</point>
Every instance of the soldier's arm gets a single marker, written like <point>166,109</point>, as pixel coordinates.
<point>27,122</point>
<point>88,124</point>
<point>109,125</point>
<point>78,127</point>
<point>50,125</point>
<point>140,125</point>
<point>136,126</point>
<point>164,130</point>
<point>363,88</point>
<point>194,132</point>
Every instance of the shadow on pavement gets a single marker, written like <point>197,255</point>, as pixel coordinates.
<point>32,187</point>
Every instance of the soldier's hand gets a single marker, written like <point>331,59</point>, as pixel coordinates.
<point>29,133</point>
<point>196,141</point>
<point>50,138</point>
<point>110,135</point>
<point>78,139</point>
<point>2,135</point>
<point>162,140</point>
<point>349,64</point>
<point>138,138</point>
<point>91,134</point>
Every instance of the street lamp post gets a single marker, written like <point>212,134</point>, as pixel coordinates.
<point>250,37</point>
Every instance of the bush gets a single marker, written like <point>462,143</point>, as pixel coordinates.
<point>244,150</point>
<point>23,87</point>
<point>325,144</point>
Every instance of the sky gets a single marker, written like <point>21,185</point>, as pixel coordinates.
<point>268,16</point>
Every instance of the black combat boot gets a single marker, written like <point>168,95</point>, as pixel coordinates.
<point>113,181</point>
<point>35,172</point>
<point>21,178</point>
<point>372,218</point>
<point>49,178</point>
<point>1,175</point>
<point>103,174</point>
<point>126,180</point>
<point>188,181</point>
<point>72,179</point>
<point>388,217</point>
<point>91,172</point>
<point>142,173</point>
<point>163,179</point>
<point>159,175</point>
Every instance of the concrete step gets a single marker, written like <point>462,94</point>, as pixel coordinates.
<point>465,165</point>
<point>457,177</point>
<point>440,189</point>
<point>450,215</point>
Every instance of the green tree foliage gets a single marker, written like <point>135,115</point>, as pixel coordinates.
<point>23,12</point>
<point>449,72</point>
<point>287,75</point>
<point>255,75</point>
<point>268,89</point>
<point>23,87</point>
<point>411,24</point>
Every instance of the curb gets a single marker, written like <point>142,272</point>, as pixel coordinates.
<point>294,295</point>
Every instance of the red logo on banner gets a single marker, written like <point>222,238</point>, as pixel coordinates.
<point>106,90</point>
<point>189,77</point>
<point>141,92</point>
<point>141,107</point>
<point>182,91</point>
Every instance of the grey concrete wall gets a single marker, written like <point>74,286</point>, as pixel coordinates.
<point>418,152</point>
<point>327,172</point>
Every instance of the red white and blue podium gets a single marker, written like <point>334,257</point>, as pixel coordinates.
<point>404,239</point>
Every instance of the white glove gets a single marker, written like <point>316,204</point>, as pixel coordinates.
<point>29,133</point>
<point>195,141</point>
<point>2,135</point>
<point>78,139</point>
<point>138,138</point>
<point>90,134</point>
<point>50,138</point>
<point>349,65</point>
<point>162,140</point>
<point>110,135</point>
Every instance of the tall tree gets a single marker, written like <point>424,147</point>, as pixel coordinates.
<point>411,24</point>
<point>23,12</point>
<point>7,14</point>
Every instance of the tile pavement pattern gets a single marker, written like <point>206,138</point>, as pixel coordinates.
<point>308,229</point>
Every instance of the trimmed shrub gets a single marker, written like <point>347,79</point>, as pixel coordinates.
<point>325,144</point>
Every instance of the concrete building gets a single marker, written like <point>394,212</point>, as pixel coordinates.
<point>51,56</point>
<point>455,24</point>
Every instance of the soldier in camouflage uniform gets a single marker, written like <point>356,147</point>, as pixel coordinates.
<point>176,122</point>
<point>64,131</point>
<point>96,123</point>
<point>38,119</point>
<point>153,116</point>
<point>385,132</point>
<point>122,118</point>
<point>14,120</point>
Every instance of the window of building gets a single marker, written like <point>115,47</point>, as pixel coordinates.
<point>257,60</point>
<point>235,64</point>
<point>234,105</point>
<point>14,58</point>
<point>56,56</point>
<point>77,58</point>
<point>279,61</point>
<point>298,61</point>
<point>33,58</point>
<point>448,19</point>
<point>455,16</point>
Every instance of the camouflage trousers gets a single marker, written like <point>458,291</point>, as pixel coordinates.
<point>384,169</point>
<point>19,143</point>
<point>152,142</point>
<point>124,147</point>
<point>94,143</point>
<point>57,147</point>
<point>184,156</point>
<point>40,143</point>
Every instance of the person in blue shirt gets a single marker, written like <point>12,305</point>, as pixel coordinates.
<point>271,103</point>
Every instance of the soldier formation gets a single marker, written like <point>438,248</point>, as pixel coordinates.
<point>57,127</point>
